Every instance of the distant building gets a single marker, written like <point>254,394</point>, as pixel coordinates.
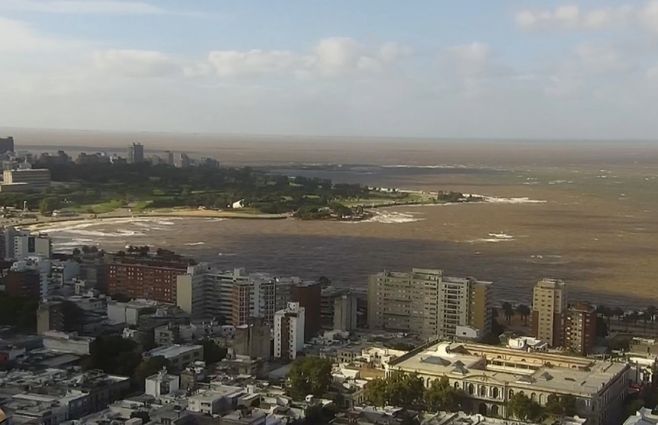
<point>24,180</point>
<point>130,312</point>
<point>92,159</point>
<point>240,417</point>
<point>179,356</point>
<point>31,245</point>
<point>151,276</point>
<point>289,331</point>
<point>161,384</point>
<point>345,313</point>
<point>644,416</point>
<point>135,153</point>
<point>50,317</point>
<point>234,295</point>
<point>26,280</point>
<point>253,340</point>
<point>219,400</point>
<point>579,332</point>
<point>309,296</point>
<point>549,303</point>
<point>426,303</point>
<point>71,343</point>
<point>6,145</point>
<point>490,376</point>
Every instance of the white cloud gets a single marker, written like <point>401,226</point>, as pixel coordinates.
<point>136,63</point>
<point>104,7</point>
<point>649,16</point>
<point>330,57</point>
<point>571,17</point>
<point>18,36</point>
<point>233,63</point>
<point>652,74</point>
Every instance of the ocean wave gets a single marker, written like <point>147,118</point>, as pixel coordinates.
<point>81,227</point>
<point>520,200</point>
<point>392,218</point>
<point>194,243</point>
<point>494,238</point>
<point>456,166</point>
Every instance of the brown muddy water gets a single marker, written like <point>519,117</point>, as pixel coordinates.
<point>586,212</point>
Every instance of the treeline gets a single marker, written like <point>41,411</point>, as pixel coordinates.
<point>408,390</point>
<point>148,185</point>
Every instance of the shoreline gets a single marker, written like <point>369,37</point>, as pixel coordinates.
<point>43,221</point>
<point>37,223</point>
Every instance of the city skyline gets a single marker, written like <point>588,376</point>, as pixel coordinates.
<point>472,70</point>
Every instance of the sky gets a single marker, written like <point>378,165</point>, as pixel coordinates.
<point>420,68</point>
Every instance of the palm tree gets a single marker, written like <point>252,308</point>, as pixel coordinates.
<point>508,310</point>
<point>650,313</point>
<point>617,312</point>
<point>523,311</point>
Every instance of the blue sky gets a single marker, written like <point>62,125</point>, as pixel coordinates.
<point>468,69</point>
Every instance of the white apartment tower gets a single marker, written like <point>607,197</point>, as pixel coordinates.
<point>289,332</point>
<point>235,295</point>
<point>549,303</point>
<point>345,312</point>
<point>427,303</point>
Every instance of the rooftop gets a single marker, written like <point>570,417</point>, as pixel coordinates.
<point>534,371</point>
<point>172,350</point>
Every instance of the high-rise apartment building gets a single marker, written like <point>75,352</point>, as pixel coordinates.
<point>579,331</point>
<point>145,276</point>
<point>345,312</point>
<point>6,144</point>
<point>549,303</point>
<point>289,331</point>
<point>50,317</point>
<point>236,296</point>
<point>31,245</point>
<point>253,339</point>
<point>309,296</point>
<point>25,179</point>
<point>135,153</point>
<point>427,303</point>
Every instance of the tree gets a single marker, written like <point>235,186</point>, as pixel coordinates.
<point>601,327</point>
<point>617,312</point>
<point>508,310</point>
<point>375,392</point>
<point>523,408</point>
<point>399,389</point>
<point>212,353</point>
<point>148,367</point>
<point>561,406</point>
<point>114,355</point>
<point>48,205</point>
<point>524,312</point>
<point>324,281</point>
<point>405,389</point>
<point>309,375</point>
<point>441,396</point>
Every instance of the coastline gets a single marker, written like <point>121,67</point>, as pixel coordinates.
<point>43,221</point>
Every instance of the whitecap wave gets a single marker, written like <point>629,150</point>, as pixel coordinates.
<point>392,218</point>
<point>519,200</point>
<point>438,166</point>
<point>194,243</point>
<point>494,238</point>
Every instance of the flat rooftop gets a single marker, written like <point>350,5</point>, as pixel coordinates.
<point>173,350</point>
<point>531,371</point>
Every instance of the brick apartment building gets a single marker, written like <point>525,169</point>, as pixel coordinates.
<point>145,276</point>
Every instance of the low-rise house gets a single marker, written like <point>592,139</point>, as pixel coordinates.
<point>179,356</point>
